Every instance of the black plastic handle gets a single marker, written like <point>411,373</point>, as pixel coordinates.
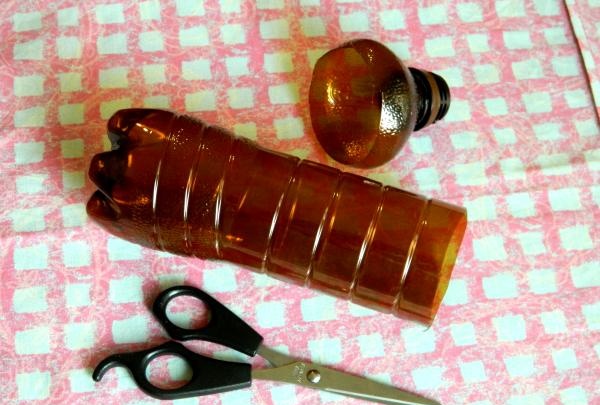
<point>210,376</point>
<point>223,327</point>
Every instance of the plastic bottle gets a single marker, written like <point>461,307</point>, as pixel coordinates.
<point>364,103</point>
<point>176,184</point>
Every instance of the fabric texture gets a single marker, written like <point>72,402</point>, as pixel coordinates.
<point>520,148</point>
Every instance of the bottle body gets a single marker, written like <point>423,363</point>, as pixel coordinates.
<point>176,184</point>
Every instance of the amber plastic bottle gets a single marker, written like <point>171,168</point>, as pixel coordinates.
<point>176,184</point>
<point>364,103</point>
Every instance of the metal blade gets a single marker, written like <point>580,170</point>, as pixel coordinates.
<point>275,358</point>
<point>323,378</point>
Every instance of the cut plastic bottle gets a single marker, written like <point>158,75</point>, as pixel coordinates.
<point>176,184</point>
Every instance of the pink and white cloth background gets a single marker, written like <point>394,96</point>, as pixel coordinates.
<point>520,149</point>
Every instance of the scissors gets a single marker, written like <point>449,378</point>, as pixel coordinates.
<point>212,376</point>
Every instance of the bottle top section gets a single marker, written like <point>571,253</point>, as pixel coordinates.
<point>362,103</point>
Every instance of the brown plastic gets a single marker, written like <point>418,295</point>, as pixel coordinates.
<point>176,184</point>
<point>364,103</point>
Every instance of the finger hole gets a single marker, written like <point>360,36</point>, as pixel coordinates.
<point>188,312</point>
<point>169,372</point>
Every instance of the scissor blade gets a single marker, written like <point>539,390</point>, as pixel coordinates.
<point>274,357</point>
<point>323,378</point>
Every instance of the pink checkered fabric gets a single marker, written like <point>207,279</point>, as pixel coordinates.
<point>520,149</point>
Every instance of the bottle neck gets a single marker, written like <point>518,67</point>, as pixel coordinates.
<point>433,97</point>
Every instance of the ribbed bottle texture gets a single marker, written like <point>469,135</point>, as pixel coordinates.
<point>176,184</point>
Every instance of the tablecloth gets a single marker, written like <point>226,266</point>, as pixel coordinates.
<point>520,148</point>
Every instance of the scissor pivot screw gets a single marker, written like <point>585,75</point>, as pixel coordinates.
<point>313,376</point>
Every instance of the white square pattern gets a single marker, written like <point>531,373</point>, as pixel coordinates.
<point>81,380</point>
<point>69,82</point>
<point>270,314</point>
<point>500,286</point>
<point>112,44</point>
<point>32,257</point>
<point>187,8</point>
<point>68,17</point>
<point>30,118</point>
<point>31,299</point>
<point>149,10</point>
<point>542,281</point>
<point>31,184</point>
<point>29,50</point>
<point>428,378</point>
<point>28,220</point>
<point>548,131</point>
<point>80,335</point>
<point>481,209</point>
<point>554,322</point>
<point>289,128</point>
<point>469,12</point>
<point>27,21</point>
<point>151,41</point>
<point>489,248</point>
<point>433,15</point>
<point>355,22</point>
<point>473,372</point>
<point>124,290</point>
<point>110,14</point>
<point>419,340</point>
<point>512,169</point>
<point>510,328</point>
<point>320,308</point>
<point>33,341</point>
<point>274,29</point>
<point>420,144</point>
<point>371,345</point>
<point>77,295</point>
<point>463,334</point>
<point>520,366</point>
<point>33,385</point>
<point>232,34</point>
<point>32,85</point>
<point>586,275</point>
<point>532,243</point>
<point>326,351</point>
<point>76,254</point>
<point>392,19</point>
<point>457,293</point>
<point>130,330</point>
<point>198,69</point>
<point>287,93</point>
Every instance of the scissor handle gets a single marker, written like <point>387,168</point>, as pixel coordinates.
<point>209,376</point>
<point>223,327</point>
